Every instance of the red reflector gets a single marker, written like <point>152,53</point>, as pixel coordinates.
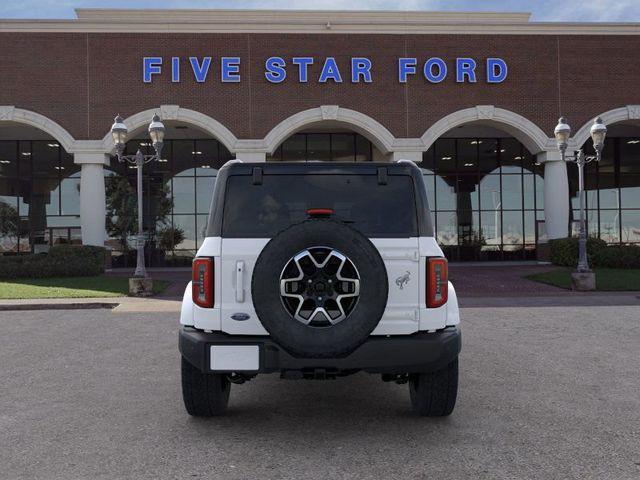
<point>319,212</point>
<point>437,282</point>
<point>202,282</point>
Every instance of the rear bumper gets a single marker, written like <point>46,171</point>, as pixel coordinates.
<point>420,352</point>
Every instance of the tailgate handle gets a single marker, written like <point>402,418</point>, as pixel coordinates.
<point>239,281</point>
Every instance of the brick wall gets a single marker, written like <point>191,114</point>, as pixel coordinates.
<point>82,80</point>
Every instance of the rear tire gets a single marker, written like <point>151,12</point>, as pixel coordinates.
<point>204,394</point>
<point>434,394</point>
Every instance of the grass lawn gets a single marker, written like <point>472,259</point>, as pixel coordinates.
<point>72,287</point>
<point>607,279</point>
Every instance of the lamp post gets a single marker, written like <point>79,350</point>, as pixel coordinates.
<point>562,133</point>
<point>156,132</point>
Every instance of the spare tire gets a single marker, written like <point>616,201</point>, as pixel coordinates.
<point>319,288</point>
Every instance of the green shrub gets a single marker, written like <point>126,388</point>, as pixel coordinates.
<point>61,261</point>
<point>564,251</point>
<point>618,256</point>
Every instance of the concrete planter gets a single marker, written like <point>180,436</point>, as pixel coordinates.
<point>141,287</point>
<point>583,282</point>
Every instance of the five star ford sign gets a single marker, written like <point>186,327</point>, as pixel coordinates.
<point>361,69</point>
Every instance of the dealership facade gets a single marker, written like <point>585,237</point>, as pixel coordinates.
<point>472,97</point>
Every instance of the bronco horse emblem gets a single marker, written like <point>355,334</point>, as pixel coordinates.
<point>402,280</point>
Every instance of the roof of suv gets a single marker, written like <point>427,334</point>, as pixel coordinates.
<point>258,169</point>
<point>351,168</point>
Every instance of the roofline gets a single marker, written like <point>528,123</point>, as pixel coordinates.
<point>311,21</point>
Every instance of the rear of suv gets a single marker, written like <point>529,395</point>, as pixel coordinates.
<point>319,270</point>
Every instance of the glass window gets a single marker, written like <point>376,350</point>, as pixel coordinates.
<point>511,155</point>
<point>630,222</point>
<point>276,156</point>
<point>201,228</point>
<point>263,210</point>
<point>183,155</point>
<point>512,192</point>
<point>490,198</point>
<point>430,184</point>
<point>488,155</point>
<point>467,192</point>
<point>529,227</point>
<point>318,147</point>
<point>428,159</point>
<point>363,149</point>
<point>467,154</point>
<point>630,191</point>
<point>610,226</point>
<point>629,155</point>
<point>8,159</point>
<point>204,190</point>
<point>183,195</point>
<point>446,156</point>
<point>512,228</point>
<point>70,196</point>
<point>206,158</point>
<point>343,148</point>
<point>445,194</point>
<point>447,228</point>
<point>294,148</point>
<point>45,157</point>
<point>529,191</point>
<point>539,192</point>
<point>188,225</point>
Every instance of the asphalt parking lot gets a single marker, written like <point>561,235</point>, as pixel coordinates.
<point>548,392</point>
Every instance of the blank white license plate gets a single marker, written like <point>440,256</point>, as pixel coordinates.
<point>235,357</point>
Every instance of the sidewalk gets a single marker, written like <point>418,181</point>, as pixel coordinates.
<point>115,304</point>
<point>477,286</point>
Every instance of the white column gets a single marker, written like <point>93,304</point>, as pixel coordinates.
<point>406,155</point>
<point>92,197</point>
<point>252,156</point>
<point>556,194</point>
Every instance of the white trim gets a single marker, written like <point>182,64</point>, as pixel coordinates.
<point>309,21</point>
<point>177,113</point>
<point>531,136</point>
<point>9,113</point>
<point>629,112</point>
<point>377,133</point>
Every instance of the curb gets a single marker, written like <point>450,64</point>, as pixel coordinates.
<point>57,306</point>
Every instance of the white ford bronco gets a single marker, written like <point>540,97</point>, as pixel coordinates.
<point>319,270</point>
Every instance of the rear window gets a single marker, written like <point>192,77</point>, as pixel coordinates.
<point>261,211</point>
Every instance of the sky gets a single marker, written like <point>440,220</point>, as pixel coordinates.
<point>542,10</point>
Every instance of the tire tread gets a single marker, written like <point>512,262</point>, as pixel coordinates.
<point>204,394</point>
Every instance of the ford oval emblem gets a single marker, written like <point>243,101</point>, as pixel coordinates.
<point>240,317</point>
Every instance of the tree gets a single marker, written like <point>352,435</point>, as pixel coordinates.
<point>122,209</point>
<point>9,221</point>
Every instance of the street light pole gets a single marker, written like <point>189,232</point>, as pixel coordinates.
<point>583,262</point>
<point>156,132</point>
<point>141,271</point>
<point>562,133</point>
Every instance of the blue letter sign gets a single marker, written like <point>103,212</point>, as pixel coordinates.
<point>151,66</point>
<point>275,69</point>
<point>330,71</point>
<point>434,69</point>
<point>442,70</point>
<point>406,66</point>
<point>360,67</point>
<point>200,71</point>
<point>496,70</point>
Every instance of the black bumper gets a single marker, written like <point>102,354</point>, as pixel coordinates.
<point>420,352</point>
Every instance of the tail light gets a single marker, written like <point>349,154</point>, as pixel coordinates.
<point>202,282</point>
<point>437,282</point>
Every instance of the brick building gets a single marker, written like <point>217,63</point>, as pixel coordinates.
<point>473,97</point>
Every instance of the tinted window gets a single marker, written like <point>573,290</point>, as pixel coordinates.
<point>264,210</point>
